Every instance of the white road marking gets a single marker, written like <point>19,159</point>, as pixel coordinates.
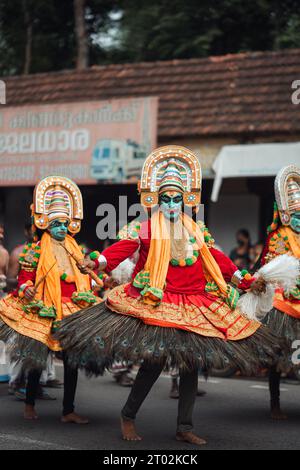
<point>27,440</point>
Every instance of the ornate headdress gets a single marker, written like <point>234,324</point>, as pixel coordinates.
<point>287,192</point>
<point>57,197</point>
<point>171,167</point>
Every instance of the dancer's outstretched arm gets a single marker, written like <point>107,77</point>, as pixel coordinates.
<point>241,279</point>
<point>112,256</point>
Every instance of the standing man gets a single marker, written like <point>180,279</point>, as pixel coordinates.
<point>179,306</point>
<point>17,377</point>
<point>284,238</point>
<point>50,288</point>
<point>4,259</point>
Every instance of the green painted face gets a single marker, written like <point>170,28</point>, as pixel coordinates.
<point>295,222</point>
<point>58,229</point>
<point>171,204</point>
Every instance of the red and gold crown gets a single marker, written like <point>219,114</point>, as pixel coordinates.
<point>171,167</point>
<point>287,192</point>
<point>57,197</point>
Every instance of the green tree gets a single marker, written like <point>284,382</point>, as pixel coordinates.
<point>40,35</point>
<point>161,29</point>
<point>52,36</point>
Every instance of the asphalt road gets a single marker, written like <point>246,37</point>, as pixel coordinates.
<point>233,415</point>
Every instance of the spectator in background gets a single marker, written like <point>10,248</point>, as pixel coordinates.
<point>255,252</point>
<point>241,254</point>
<point>4,258</point>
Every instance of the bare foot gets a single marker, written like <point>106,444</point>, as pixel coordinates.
<point>128,430</point>
<point>278,415</point>
<point>30,413</point>
<point>74,419</point>
<point>190,437</point>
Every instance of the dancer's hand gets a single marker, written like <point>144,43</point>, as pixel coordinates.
<point>110,283</point>
<point>86,265</point>
<point>29,293</point>
<point>258,286</point>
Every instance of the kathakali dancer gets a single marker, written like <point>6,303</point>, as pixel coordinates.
<point>179,307</point>
<point>50,288</point>
<point>284,238</point>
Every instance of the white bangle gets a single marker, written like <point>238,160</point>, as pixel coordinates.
<point>237,277</point>
<point>102,262</point>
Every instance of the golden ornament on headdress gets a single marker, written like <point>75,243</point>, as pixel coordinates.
<point>57,197</point>
<point>171,167</point>
<point>287,192</point>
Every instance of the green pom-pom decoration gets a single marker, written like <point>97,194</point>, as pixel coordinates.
<point>244,272</point>
<point>63,276</point>
<point>94,255</point>
<point>189,261</point>
<point>174,262</point>
<point>193,240</point>
<point>36,255</point>
<point>195,253</point>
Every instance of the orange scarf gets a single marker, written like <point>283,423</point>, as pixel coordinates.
<point>293,239</point>
<point>49,291</point>
<point>211,267</point>
<point>157,263</point>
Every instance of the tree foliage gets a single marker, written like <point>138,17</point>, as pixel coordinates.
<point>53,33</point>
<point>198,28</point>
<point>39,35</point>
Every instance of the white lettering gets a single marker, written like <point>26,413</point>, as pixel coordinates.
<point>44,141</point>
<point>296,95</point>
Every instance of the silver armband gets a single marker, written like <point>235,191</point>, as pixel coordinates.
<point>102,262</point>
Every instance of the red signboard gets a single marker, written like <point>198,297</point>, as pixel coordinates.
<point>85,141</point>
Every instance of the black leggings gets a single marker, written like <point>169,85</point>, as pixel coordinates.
<point>145,379</point>
<point>70,384</point>
<point>274,387</point>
